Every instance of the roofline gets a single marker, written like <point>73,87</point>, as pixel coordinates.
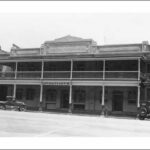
<point>82,40</point>
<point>112,45</point>
<point>26,48</point>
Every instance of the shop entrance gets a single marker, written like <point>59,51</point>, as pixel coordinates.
<point>3,92</point>
<point>65,99</point>
<point>117,101</point>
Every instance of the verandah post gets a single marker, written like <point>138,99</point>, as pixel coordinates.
<point>42,69</point>
<point>16,66</point>
<point>41,97</point>
<point>70,99</point>
<point>103,99</point>
<point>139,69</point>
<point>139,75</point>
<point>104,69</point>
<point>138,97</point>
<point>14,91</point>
<point>70,89</point>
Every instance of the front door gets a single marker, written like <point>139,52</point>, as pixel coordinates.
<point>65,99</point>
<point>117,101</point>
<point>3,92</point>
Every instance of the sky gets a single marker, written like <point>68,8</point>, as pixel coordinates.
<point>32,29</point>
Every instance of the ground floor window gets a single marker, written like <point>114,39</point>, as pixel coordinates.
<point>51,95</point>
<point>79,96</point>
<point>30,94</point>
<point>79,99</point>
<point>132,96</point>
<point>19,94</point>
<point>148,94</point>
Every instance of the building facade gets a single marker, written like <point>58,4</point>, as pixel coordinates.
<point>76,75</point>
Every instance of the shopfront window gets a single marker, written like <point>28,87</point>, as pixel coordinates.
<point>79,96</point>
<point>30,94</point>
<point>79,99</point>
<point>51,95</point>
<point>148,68</point>
<point>148,94</point>
<point>132,96</point>
<point>19,94</point>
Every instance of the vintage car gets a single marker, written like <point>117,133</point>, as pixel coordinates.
<point>12,103</point>
<point>144,111</point>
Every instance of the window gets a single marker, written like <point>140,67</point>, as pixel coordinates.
<point>148,68</point>
<point>51,95</point>
<point>19,94</point>
<point>30,93</point>
<point>79,96</point>
<point>148,94</point>
<point>132,97</point>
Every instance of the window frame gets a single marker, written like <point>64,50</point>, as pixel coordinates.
<point>130,97</point>
<point>19,92</point>
<point>51,91</point>
<point>30,94</point>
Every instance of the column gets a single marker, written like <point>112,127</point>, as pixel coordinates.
<point>14,91</point>
<point>42,69</point>
<point>138,97</point>
<point>139,69</point>
<point>16,70</point>
<point>103,69</point>
<point>70,98</point>
<point>103,99</point>
<point>41,97</point>
<point>70,89</point>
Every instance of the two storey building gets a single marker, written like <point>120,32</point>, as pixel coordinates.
<point>76,75</point>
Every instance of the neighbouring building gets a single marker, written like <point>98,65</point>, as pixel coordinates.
<point>76,75</point>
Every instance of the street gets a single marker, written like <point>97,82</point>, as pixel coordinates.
<point>38,124</point>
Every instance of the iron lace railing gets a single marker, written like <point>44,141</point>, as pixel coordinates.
<point>7,75</point>
<point>101,75</point>
<point>121,75</point>
<point>56,74</point>
<point>87,74</point>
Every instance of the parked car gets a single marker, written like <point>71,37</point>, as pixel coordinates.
<point>12,103</point>
<point>144,111</point>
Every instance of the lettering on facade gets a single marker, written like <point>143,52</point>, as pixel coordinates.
<point>56,83</point>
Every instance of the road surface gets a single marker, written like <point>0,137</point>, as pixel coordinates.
<point>38,124</point>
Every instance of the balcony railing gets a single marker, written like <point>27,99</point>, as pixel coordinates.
<point>121,75</point>
<point>7,75</point>
<point>28,74</point>
<point>116,75</point>
<point>56,74</point>
<point>87,74</point>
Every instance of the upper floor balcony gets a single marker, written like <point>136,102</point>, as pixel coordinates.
<point>71,70</point>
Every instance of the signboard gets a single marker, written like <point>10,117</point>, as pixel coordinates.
<point>57,83</point>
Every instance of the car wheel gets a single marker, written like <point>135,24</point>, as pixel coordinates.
<point>21,109</point>
<point>141,117</point>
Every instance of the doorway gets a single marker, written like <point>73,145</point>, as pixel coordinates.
<point>117,101</point>
<point>65,99</point>
<point>3,92</point>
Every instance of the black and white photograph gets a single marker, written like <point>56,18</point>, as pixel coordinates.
<point>69,73</point>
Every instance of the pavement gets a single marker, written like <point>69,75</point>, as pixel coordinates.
<point>39,124</point>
